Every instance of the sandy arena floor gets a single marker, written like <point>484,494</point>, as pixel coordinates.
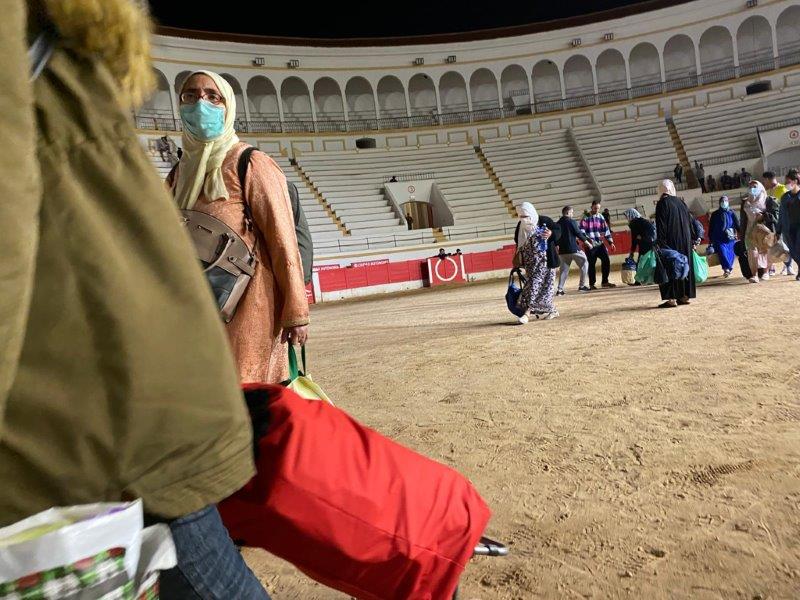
<point>626,452</point>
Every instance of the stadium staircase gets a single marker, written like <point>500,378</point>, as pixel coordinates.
<point>496,181</point>
<point>315,192</point>
<point>688,171</point>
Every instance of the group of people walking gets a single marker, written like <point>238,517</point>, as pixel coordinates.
<point>770,218</point>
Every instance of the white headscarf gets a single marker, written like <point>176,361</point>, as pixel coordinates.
<point>667,187</point>
<point>200,166</point>
<point>756,205</point>
<point>529,220</point>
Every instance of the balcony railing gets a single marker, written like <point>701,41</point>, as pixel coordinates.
<point>161,120</point>
<point>730,158</point>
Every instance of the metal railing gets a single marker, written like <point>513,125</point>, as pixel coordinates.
<point>156,119</point>
<point>773,125</point>
<point>652,190</point>
<point>409,176</point>
<point>425,236</point>
<point>729,158</point>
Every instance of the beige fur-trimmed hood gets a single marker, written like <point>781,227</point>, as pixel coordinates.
<point>115,31</point>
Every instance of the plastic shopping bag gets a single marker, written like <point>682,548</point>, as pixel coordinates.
<point>89,552</point>
<point>646,268</point>
<point>700,267</point>
<point>301,383</point>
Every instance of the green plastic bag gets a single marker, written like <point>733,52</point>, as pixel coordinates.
<point>700,267</point>
<point>646,268</point>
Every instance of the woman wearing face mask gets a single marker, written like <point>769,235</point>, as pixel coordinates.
<point>536,239</point>
<point>274,309</point>
<point>723,232</point>
<point>757,236</point>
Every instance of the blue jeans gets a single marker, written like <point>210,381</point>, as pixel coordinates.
<point>209,564</point>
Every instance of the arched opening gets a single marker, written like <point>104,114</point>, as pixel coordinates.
<point>716,54</point>
<point>483,90</point>
<point>611,74</point>
<point>546,86</point>
<point>328,100</point>
<point>679,58</point>
<point>263,99</point>
<point>360,99</point>
<point>515,87</point>
<point>391,97</point>
<point>453,93</point>
<point>578,77</point>
<point>422,96</point>
<point>159,104</point>
<point>680,63</point>
<point>179,80</point>
<point>296,104</point>
<point>645,66</point>
<point>754,41</point>
<point>237,93</point>
<point>788,35</point>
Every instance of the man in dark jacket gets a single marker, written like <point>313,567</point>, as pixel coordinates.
<point>568,250</point>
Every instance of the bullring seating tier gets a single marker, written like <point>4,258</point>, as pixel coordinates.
<point>543,169</point>
<point>353,185</point>
<point>627,155</point>
<point>724,129</point>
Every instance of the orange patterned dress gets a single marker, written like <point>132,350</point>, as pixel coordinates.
<point>275,298</point>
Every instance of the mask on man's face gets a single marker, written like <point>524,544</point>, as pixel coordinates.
<point>725,205</point>
<point>754,191</point>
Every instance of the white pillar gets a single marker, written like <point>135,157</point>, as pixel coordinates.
<point>594,76</point>
<point>697,64</point>
<point>408,100</point>
<point>499,93</point>
<point>774,31</point>
<point>563,85</point>
<point>345,107</point>
<point>627,72</point>
<point>377,105</point>
<point>246,105</point>
<point>735,50</point>
<point>661,66</point>
<point>469,96</point>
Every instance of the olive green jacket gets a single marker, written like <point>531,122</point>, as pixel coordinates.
<point>116,379</point>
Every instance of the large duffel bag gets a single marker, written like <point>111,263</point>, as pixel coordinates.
<point>351,508</point>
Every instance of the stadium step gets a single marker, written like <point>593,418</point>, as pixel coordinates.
<point>324,203</point>
<point>691,178</point>
<point>496,181</point>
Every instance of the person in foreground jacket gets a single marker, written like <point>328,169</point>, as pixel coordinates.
<point>116,378</point>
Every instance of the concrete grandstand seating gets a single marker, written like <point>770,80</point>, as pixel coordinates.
<point>543,169</point>
<point>626,155</point>
<point>321,224</point>
<point>730,128</point>
<point>352,183</point>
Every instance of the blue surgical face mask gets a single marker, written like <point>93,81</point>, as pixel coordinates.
<point>203,120</point>
<point>754,191</point>
<point>725,204</point>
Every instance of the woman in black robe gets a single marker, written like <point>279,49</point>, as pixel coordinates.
<point>674,232</point>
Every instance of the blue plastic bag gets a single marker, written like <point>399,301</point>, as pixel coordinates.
<point>514,292</point>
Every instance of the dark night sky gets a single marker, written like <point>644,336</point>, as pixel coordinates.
<point>368,19</point>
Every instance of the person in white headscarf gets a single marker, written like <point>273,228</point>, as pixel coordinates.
<point>274,308</point>
<point>757,235</point>
<point>674,233</point>
<point>536,237</point>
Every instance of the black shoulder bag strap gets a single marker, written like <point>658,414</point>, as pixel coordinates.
<point>241,169</point>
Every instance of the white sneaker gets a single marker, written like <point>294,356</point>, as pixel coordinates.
<point>551,315</point>
<point>789,272</point>
<point>726,274</point>
<point>753,280</point>
<point>765,277</point>
<point>523,319</point>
